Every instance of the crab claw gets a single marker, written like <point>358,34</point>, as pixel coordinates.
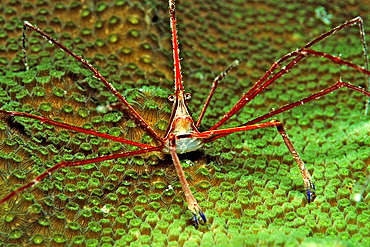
<point>311,195</point>
<point>196,210</point>
<point>195,220</point>
<point>203,217</point>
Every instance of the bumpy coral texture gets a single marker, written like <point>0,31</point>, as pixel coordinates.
<point>247,183</point>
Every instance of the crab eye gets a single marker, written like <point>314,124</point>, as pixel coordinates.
<point>187,96</point>
<point>171,98</point>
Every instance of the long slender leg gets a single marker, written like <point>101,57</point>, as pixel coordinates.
<point>191,201</point>
<point>336,86</point>
<point>24,50</point>
<point>213,88</point>
<point>75,163</point>
<point>339,84</point>
<point>74,128</point>
<point>307,180</point>
<point>130,110</point>
<point>364,49</point>
<point>297,56</point>
<point>306,176</point>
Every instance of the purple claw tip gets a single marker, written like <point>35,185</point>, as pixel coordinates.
<point>311,194</point>
<point>308,195</point>
<point>203,217</point>
<point>196,223</point>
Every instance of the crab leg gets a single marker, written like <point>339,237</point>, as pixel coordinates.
<point>307,180</point>
<point>129,109</point>
<point>74,128</point>
<point>74,163</point>
<point>191,201</point>
<point>297,56</point>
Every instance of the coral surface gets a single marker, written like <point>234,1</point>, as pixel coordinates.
<point>247,183</point>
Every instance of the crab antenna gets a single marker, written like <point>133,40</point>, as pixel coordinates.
<point>179,88</point>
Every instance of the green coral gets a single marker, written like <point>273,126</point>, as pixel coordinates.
<point>247,183</point>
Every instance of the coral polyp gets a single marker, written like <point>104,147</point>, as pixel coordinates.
<point>248,186</point>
